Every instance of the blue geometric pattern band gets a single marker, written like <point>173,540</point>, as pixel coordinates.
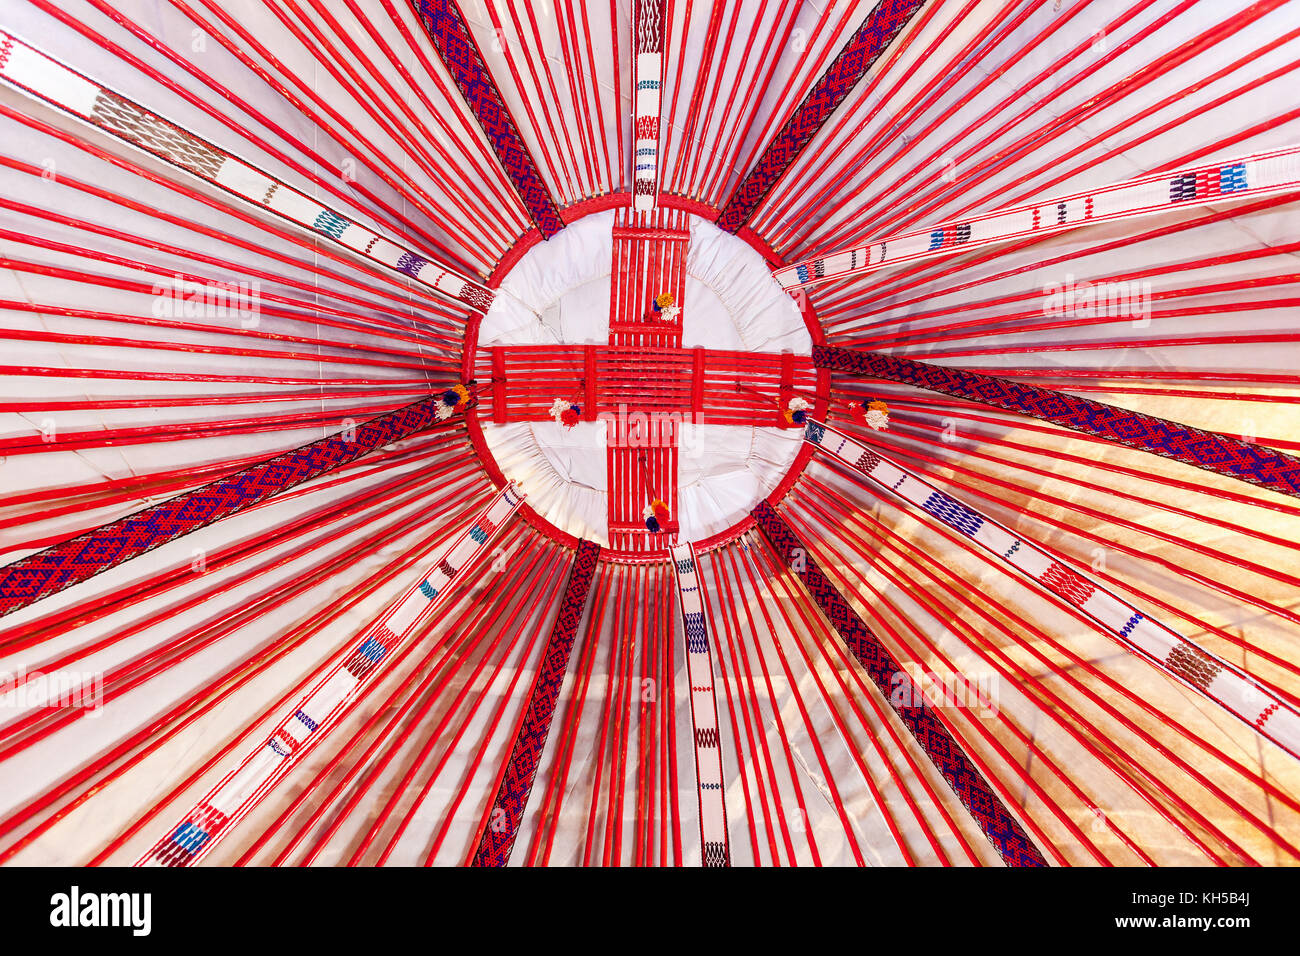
<point>70,562</point>
<point>446,27</point>
<point>499,835</point>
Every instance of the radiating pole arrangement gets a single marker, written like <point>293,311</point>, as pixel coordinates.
<point>886,19</point>
<point>1214,678</point>
<point>497,833</point>
<point>37,74</point>
<point>445,25</point>
<point>921,719</point>
<point>893,174</point>
<point>243,787</point>
<point>1211,451</point>
<point>70,562</point>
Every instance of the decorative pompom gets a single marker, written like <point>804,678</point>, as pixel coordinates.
<point>877,416</point>
<point>452,400</point>
<point>666,306</point>
<point>874,414</point>
<point>655,514</point>
<point>797,411</point>
<point>566,413</point>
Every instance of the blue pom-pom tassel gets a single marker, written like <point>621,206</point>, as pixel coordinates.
<point>798,416</point>
<point>652,524</point>
<point>449,397</point>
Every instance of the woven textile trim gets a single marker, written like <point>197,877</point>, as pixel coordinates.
<point>70,562</point>
<point>499,835</point>
<point>710,786</point>
<point>1230,688</point>
<point>1248,177</point>
<point>44,78</point>
<point>213,817</point>
<point>446,27</point>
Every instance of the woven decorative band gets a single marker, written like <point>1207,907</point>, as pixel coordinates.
<point>70,562</point>
<point>307,723</point>
<point>715,846</point>
<point>499,835</point>
<point>45,78</point>
<point>1229,687</point>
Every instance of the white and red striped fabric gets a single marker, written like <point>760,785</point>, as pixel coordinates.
<point>647,30</point>
<point>1229,687</point>
<point>243,787</point>
<point>39,75</point>
<point>711,787</point>
<point>1263,174</point>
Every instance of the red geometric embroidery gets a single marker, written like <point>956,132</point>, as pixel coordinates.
<point>475,297</point>
<point>1193,665</point>
<point>156,135</point>
<point>1061,580</point>
<point>867,461</point>
<point>1268,712</point>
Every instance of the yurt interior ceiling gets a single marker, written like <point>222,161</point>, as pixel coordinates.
<point>654,433</point>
